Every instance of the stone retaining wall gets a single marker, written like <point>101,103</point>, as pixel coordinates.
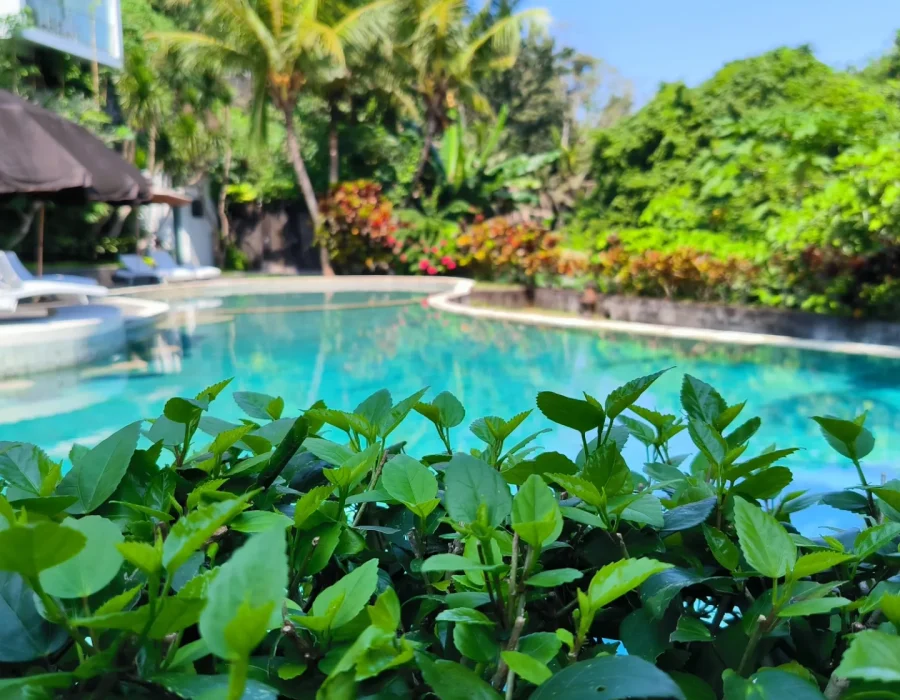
<point>795,324</point>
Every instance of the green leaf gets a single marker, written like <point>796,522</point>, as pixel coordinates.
<point>643,509</point>
<point>183,411</point>
<point>722,548</point>
<point>553,578</point>
<point>850,439</point>
<point>227,439</point>
<point>469,484</point>
<point>769,685</point>
<point>659,590</point>
<point>579,488</point>
<point>385,612</point>
<point>97,475</point>
<point>872,656</point>
<point>543,646</point>
<point>328,451</point>
<point>93,567</point>
<point>616,579</point>
<point>766,544</point>
<point>142,555</point>
<point>261,406</point>
<point>249,590</point>
<point>451,681</point>
<point>251,521</point>
<point>451,562</point>
<point>765,484</point>
<point>701,401</point>
<point>24,634</point>
<point>475,642</point>
<point>816,606</point>
<point>687,516</point>
<point>708,440</point>
<point>468,616</point>
<point>189,653</point>
<point>408,481</point>
<point>211,393</point>
<point>626,395</point>
<point>31,549</point>
<point>309,503</point>
<point>23,466</point>
<point>524,666</point>
<point>352,591</point>
<point>743,469</point>
<point>571,413</point>
<point>643,636</point>
<point>118,603</point>
<point>375,408</point>
<point>817,562</point>
<point>690,629</point>
<point>610,678</point>
<point>535,513</point>
<point>450,411</point>
<point>398,413</point>
<point>192,531</point>
<point>873,539</point>
<point>34,686</point>
<point>202,687</point>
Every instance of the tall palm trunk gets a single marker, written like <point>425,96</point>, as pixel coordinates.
<point>309,194</point>
<point>224,227</point>
<point>334,154</point>
<point>430,130</point>
<point>151,150</point>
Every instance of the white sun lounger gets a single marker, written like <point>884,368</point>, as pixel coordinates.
<point>26,276</point>
<point>13,286</point>
<point>136,270</point>
<point>166,265</point>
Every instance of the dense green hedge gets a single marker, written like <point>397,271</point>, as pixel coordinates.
<point>778,158</point>
<point>312,556</point>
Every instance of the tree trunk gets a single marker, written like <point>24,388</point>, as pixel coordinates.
<point>334,155</point>
<point>430,129</point>
<point>224,228</point>
<point>309,194</point>
<point>151,151</point>
<point>24,227</point>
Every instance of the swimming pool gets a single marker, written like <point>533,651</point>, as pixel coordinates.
<point>343,346</point>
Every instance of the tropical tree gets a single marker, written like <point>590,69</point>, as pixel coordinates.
<point>448,52</point>
<point>280,46</point>
<point>145,100</point>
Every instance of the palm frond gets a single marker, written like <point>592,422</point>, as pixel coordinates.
<point>369,24</point>
<point>504,36</point>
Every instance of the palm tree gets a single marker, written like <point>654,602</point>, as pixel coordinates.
<point>145,99</point>
<point>281,45</point>
<point>447,53</point>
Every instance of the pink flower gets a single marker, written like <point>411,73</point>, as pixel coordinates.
<point>432,270</point>
<point>424,264</point>
<point>391,240</point>
<point>403,257</point>
<point>435,250</point>
<point>451,265</point>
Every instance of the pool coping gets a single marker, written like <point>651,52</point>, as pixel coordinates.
<point>448,294</point>
<point>451,302</point>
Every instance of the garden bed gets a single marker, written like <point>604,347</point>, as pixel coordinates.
<point>684,314</point>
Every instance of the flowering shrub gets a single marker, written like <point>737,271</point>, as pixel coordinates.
<point>499,248</point>
<point>358,228</point>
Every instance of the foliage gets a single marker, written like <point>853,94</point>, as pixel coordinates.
<point>517,251</point>
<point>358,228</point>
<point>778,152</point>
<point>312,556</point>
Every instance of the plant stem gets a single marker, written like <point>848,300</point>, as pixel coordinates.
<point>487,584</point>
<point>873,511</point>
<point>237,678</point>
<point>757,634</point>
<point>510,684</point>
<point>58,614</point>
<point>514,563</point>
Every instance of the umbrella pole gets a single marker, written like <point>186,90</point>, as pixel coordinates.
<point>40,242</point>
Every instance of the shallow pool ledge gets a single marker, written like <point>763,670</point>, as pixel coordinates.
<point>455,302</point>
<point>69,336</point>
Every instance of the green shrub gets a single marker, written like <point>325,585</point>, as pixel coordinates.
<point>313,557</point>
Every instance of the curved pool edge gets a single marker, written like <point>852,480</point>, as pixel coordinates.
<point>446,294</point>
<point>450,302</point>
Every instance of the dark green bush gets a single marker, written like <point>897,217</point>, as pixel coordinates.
<point>313,557</point>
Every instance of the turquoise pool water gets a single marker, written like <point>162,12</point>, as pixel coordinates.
<point>360,343</point>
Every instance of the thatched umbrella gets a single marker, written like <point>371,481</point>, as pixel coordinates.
<point>47,157</point>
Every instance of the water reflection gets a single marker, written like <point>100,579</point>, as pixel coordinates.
<point>342,354</point>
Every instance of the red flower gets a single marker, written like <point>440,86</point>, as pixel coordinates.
<point>451,265</point>
<point>424,264</point>
<point>432,270</point>
<point>391,240</point>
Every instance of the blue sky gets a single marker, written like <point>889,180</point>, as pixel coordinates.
<point>650,41</point>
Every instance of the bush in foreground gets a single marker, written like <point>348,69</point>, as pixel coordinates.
<point>312,557</point>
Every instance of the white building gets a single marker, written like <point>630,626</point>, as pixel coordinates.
<point>89,29</point>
